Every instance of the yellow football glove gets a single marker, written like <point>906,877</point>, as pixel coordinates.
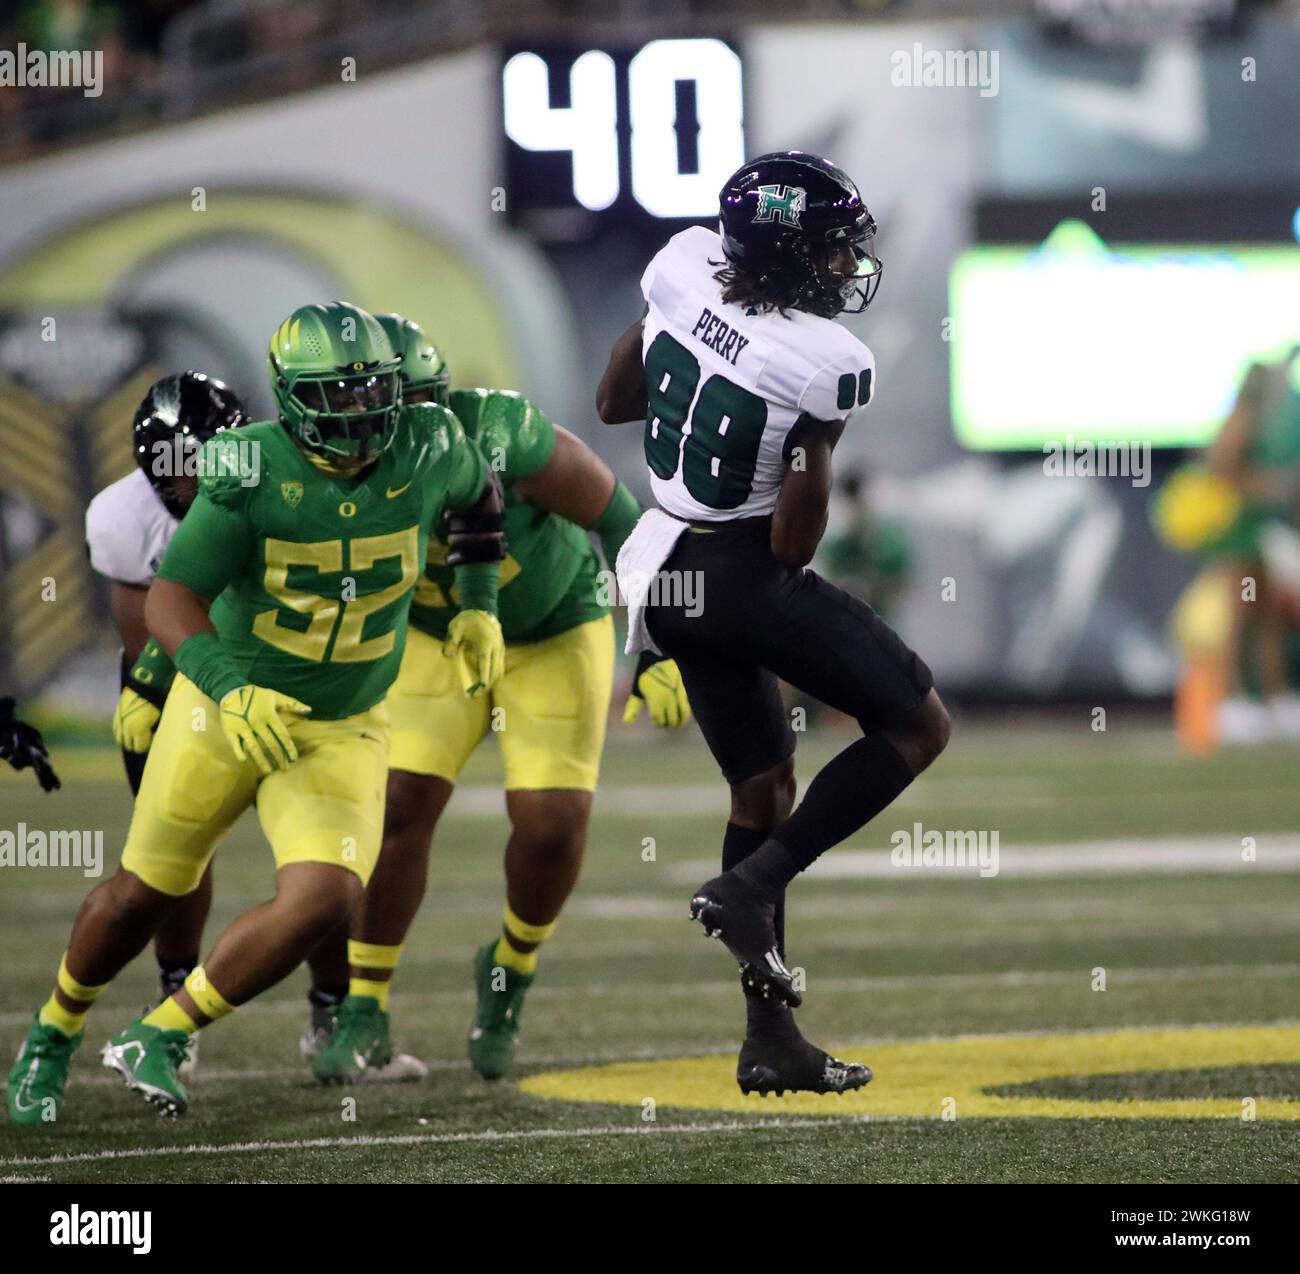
<point>474,640</point>
<point>658,684</point>
<point>251,716</point>
<point>134,721</point>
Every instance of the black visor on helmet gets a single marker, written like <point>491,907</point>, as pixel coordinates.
<point>349,395</point>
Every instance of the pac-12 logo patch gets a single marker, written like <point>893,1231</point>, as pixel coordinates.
<point>292,492</point>
<point>781,203</point>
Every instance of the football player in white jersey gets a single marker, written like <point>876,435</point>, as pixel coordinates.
<point>129,525</point>
<point>745,384</point>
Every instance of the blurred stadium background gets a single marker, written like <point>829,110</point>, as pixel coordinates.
<point>245,155</point>
<point>1090,232</point>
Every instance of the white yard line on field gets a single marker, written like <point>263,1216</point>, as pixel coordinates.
<point>885,982</point>
<point>433,1139</point>
<point>1152,855</point>
<point>904,981</point>
<point>487,800</point>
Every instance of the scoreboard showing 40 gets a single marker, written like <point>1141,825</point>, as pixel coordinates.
<point>595,136</point>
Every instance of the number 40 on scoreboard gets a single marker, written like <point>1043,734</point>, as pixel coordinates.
<point>651,131</point>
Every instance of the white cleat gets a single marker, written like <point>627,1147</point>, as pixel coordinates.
<point>400,1068</point>
<point>190,1066</point>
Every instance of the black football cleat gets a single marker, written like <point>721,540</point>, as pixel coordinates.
<point>795,1066</point>
<point>729,909</point>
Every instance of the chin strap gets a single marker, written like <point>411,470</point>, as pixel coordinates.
<point>336,470</point>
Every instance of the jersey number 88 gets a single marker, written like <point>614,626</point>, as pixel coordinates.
<point>719,454</point>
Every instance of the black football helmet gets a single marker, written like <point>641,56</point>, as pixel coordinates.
<point>781,214</point>
<point>192,407</point>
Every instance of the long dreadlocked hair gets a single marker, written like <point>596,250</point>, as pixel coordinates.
<point>744,289</point>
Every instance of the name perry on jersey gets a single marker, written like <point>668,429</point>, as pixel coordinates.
<point>719,335</point>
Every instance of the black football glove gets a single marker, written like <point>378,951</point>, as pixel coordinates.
<point>21,745</point>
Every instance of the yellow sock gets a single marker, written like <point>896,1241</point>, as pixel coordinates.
<point>506,955</point>
<point>207,999</point>
<point>169,1016</point>
<point>68,1021</point>
<point>372,955</point>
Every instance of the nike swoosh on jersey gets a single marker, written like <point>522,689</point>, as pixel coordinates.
<point>392,495</point>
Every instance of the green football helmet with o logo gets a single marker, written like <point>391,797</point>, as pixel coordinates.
<point>425,378</point>
<point>335,376</point>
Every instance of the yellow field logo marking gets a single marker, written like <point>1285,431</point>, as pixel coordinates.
<point>917,1079</point>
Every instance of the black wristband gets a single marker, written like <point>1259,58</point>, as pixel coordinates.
<point>467,550</point>
<point>475,522</point>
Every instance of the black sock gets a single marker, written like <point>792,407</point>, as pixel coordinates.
<point>172,973</point>
<point>764,1018</point>
<point>737,845</point>
<point>849,791</point>
<point>326,997</point>
<point>768,1019</point>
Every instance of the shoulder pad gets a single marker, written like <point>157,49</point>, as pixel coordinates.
<point>428,431</point>
<point>233,463</point>
<point>515,437</point>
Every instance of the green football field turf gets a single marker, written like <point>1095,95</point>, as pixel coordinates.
<point>998,1056</point>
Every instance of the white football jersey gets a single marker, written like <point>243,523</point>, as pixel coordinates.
<point>128,530</point>
<point>727,384</point>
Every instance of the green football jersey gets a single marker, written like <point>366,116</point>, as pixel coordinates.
<point>313,573</point>
<point>549,578</point>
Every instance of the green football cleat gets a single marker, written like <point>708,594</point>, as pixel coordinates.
<point>360,1041</point>
<point>150,1059</point>
<point>501,994</point>
<point>39,1074</point>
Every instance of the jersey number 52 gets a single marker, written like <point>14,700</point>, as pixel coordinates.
<point>335,626</point>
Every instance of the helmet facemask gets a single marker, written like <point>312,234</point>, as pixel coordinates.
<point>434,389</point>
<point>859,289</point>
<point>830,292</point>
<point>347,418</point>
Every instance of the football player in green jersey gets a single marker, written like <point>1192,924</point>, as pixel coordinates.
<point>548,712</point>
<point>283,602</point>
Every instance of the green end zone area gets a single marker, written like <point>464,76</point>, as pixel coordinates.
<point>952,987</point>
